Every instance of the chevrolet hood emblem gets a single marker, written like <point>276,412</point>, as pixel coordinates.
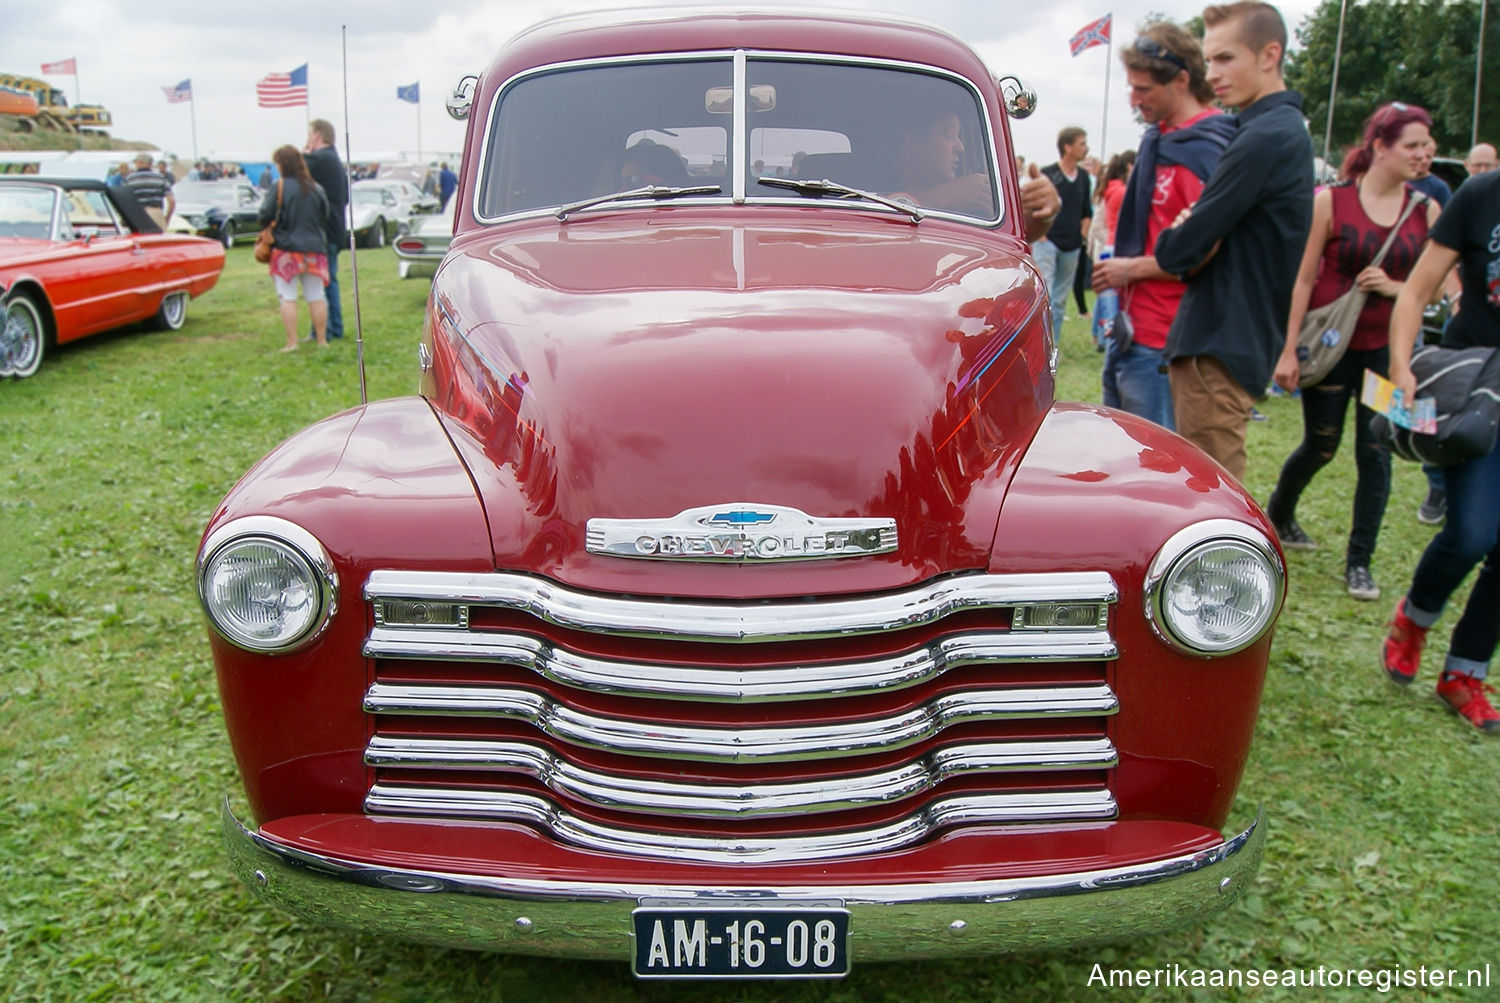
<point>741,531</point>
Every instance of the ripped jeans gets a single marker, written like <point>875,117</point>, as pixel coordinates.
<point>1324,406</point>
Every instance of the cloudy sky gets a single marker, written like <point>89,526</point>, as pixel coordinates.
<point>128,49</point>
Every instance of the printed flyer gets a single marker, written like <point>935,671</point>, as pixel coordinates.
<point>1382,396</point>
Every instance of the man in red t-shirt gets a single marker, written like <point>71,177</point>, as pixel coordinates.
<point>1169,88</point>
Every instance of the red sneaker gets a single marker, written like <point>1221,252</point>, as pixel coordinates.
<point>1465,696</point>
<point>1402,651</point>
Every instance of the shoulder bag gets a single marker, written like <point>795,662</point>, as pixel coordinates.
<point>1465,383</point>
<point>1326,330</point>
<point>267,237</point>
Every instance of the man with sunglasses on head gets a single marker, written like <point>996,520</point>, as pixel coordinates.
<point>1169,90</point>
<point>1239,247</point>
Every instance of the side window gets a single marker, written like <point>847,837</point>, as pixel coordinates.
<point>685,155</point>
<point>92,209</point>
<point>796,153</point>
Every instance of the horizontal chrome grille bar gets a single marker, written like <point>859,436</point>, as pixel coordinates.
<point>984,809</point>
<point>742,621</point>
<point>739,744</point>
<point>721,800</point>
<point>732,684</point>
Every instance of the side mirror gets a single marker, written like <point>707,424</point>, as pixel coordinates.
<point>461,101</point>
<point>1020,98</point>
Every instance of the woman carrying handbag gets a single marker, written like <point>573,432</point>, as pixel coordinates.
<point>1370,211</point>
<point>297,209</point>
<point>1468,235</point>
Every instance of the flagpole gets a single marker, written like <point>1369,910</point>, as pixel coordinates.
<point>193,118</point>
<point>78,100</point>
<point>419,121</point>
<point>1333,87</point>
<point>1478,73</point>
<point>1109,57</point>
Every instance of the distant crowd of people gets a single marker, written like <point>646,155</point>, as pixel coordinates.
<point>1217,240</point>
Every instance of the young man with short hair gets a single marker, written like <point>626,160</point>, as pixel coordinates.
<point>1169,90</point>
<point>327,170</point>
<point>1056,255</point>
<point>1239,248</point>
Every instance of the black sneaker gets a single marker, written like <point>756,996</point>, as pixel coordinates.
<point>1292,537</point>
<point>1361,583</point>
<point>1434,509</point>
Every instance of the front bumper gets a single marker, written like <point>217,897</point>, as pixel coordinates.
<point>543,915</point>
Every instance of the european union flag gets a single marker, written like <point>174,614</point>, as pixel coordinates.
<point>411,92</point>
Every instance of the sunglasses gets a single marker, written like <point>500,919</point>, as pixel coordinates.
<point>1152,49</point>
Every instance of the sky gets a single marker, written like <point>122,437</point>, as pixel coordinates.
<point>127,50</point>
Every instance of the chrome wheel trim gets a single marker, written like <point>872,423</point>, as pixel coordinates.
<point>21,338</point>
<point>380,232</point>
<point>228,235</point>
<point>173,313</point>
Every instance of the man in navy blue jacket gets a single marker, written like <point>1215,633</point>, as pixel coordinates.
<point>1239,247</point>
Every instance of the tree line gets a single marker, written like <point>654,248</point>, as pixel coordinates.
<point>1422,52</point>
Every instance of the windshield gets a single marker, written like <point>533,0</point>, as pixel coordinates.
<point>572,135</point>
<point>26,212</point>
<point>367,196</point>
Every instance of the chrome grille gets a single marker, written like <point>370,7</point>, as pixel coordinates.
<point>735,731</point>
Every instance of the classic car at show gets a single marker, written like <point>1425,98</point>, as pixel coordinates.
<point>425,243</point>
<point>374,215</point>
<point>78,257</point>
<point>224,210</point>
<point>406,201</point>
<point>735,599</point>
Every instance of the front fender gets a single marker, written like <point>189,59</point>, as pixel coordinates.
<point>1100,489</point>
<point>379,486</point>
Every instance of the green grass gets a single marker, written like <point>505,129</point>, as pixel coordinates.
<point>113,880</point>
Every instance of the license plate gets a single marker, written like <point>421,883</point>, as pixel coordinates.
<point>752,941</point>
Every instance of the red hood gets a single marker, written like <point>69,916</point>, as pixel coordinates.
<point>635,367</point>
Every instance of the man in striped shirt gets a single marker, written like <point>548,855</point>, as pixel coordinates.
<point>152,189</point>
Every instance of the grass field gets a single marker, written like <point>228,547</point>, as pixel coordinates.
<point>113,880</point>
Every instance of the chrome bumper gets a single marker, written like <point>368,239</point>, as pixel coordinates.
<point>888,921</point>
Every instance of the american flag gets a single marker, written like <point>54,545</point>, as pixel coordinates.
<point>1092,34</point>
<point>283,90</point>
<point>178,93</point>
<point>62,66</point>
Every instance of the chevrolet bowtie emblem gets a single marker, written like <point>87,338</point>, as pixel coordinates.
<point>741,532</point>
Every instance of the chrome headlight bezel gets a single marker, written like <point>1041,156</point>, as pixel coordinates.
<point>302,551</point>
<point>1183,549</point>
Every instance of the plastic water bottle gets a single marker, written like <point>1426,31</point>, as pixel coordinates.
<point>1106,307</point>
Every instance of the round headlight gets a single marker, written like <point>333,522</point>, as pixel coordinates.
<point>1214,588</point>
<point>266,584</point>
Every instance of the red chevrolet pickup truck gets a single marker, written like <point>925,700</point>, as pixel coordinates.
<point>735,599</point>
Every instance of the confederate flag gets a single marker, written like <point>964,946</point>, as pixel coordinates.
<point>1092,34</point>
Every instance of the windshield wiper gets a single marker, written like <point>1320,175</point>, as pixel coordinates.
<point>644,192</point>
<point>834,188</point>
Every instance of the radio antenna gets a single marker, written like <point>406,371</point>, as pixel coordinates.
<point>359,330</point>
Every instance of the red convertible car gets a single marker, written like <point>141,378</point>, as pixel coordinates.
<point>78,257</point>
<point>736,600</point>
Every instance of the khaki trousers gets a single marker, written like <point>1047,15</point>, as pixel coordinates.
<point>1211,409</point>
<point>158,215</point>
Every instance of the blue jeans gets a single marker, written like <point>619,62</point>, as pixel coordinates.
<point>1057,268</point>
<point>1467,538</point>
<point>1135,380</point>
<point>331,293</point>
